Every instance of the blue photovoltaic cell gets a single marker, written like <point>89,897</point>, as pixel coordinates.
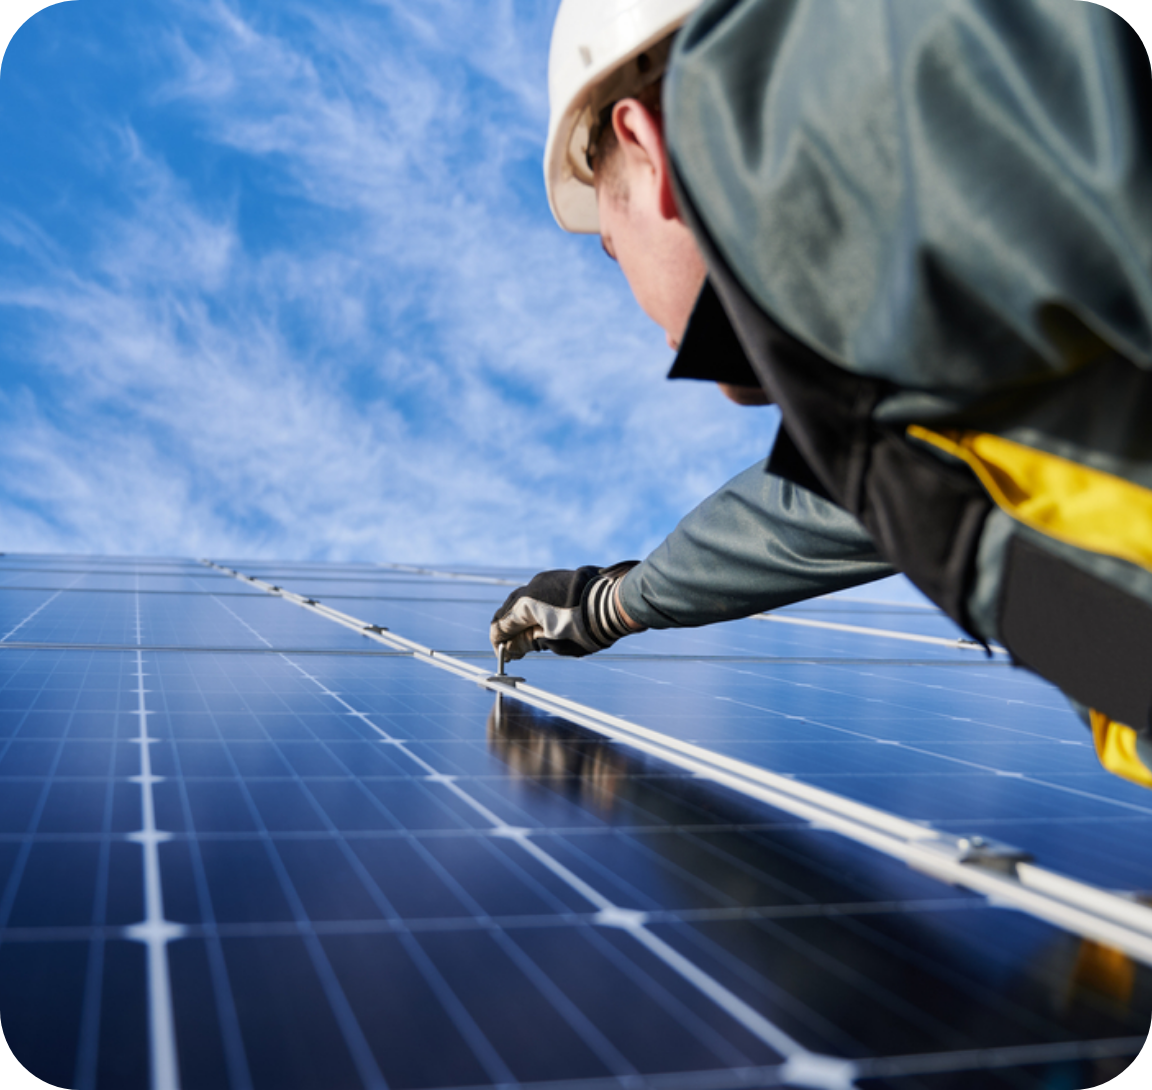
<point>373,872</point>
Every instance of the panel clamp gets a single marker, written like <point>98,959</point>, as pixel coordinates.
<point>500,677</point>
<point>977,851</point>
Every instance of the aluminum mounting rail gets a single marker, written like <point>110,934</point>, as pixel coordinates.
<point>1003,874</point>
<point>954,642</point>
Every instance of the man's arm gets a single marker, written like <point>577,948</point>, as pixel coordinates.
<point>758,543</point>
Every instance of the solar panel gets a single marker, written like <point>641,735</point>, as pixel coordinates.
<point>276,826</point>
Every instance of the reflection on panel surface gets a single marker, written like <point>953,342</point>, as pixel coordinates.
<point>374,873</point>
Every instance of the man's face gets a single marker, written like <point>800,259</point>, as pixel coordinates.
<point>641,228</point>
<point>662,266</point>
<point>655,250</point>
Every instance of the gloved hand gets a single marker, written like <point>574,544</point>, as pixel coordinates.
<point>568,612</point>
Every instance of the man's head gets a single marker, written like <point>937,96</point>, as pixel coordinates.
<point>602,51</point>
<point>606,166</point>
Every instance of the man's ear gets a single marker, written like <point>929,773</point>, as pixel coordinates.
<point>640,134</point>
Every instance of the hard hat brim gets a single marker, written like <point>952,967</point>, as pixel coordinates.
<point>571,197</point>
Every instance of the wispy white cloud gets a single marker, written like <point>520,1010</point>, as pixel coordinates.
<point>375,344</point>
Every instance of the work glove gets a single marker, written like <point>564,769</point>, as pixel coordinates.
<point>568,612</point>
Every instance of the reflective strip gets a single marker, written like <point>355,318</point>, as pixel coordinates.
<point>1116,748</point>
<point>1063,499</point>
<point>602,613</point>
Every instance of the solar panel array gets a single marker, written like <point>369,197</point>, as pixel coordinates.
<point>244,845</point>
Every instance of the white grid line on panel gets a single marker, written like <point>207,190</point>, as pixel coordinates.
<point>608,1054</point>
<point>235,1059</point>
<point>42,605</point>
<point>483,1049</point>
<point>16,876</point>
<point>155,931</point>
<point>354,1039</point>
<point>609,914</point>
<point>87,1049</point>
<point>831,1073</point>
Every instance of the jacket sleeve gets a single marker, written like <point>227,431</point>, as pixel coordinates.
<point>758,543</point>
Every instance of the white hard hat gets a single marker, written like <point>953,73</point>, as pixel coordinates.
<point>593,42</point>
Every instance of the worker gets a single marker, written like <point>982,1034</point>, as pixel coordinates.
<point>926,231</point>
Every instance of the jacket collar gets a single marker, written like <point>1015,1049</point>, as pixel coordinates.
<point>710,350</point>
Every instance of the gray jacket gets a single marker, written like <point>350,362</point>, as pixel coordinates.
<point>930,227</point>
<point>758,543</point>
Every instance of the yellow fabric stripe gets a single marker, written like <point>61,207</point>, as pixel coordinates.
<point>1068,501</point>
<point>1116,748</point>
<point>1104,970</point>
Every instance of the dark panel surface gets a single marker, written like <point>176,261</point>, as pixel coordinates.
<point>371,872</point>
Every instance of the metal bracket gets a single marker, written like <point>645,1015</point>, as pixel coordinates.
<point>978,851</point>
<point>500,677</point>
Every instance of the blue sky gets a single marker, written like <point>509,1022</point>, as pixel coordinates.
<point>280,280</point>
